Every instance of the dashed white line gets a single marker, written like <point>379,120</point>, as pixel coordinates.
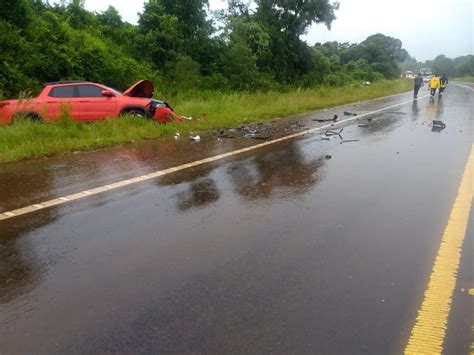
<point>127,182</point>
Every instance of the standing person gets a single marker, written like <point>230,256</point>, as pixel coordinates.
<point>443,83</point>
<point>434,85</point>
<point>418,84</point>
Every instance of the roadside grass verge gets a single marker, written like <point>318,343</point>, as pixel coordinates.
<point>27,139</point>
<point>466,79</point>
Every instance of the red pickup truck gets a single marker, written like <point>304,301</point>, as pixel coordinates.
<point>86,101</point>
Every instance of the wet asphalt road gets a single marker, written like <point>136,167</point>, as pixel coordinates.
<point>276,250</point>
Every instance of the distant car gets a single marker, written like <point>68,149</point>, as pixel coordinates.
<point>427,74</point>
<point>86,101</point>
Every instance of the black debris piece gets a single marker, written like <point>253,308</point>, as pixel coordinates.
<point>334,119</point>
<point>261,136</point>
<point>439,124</point>
<point>333,133</point>
<point>349,113</point>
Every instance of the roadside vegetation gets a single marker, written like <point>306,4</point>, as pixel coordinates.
<point>26,139</point>
<point>466,79</point>
<point>245,62</point>
<point>185,48</point>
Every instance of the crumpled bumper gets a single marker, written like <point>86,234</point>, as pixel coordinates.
<point>165,114</point>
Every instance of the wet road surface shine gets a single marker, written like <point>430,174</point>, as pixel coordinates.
<point>274,250</point>
<point>138,179</point>
<point>430,328</point>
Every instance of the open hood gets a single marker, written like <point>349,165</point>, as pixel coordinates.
<point>144,88</point>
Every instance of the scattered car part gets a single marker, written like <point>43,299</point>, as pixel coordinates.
<point>261,137</point>
<point>334,119</point>
<point>439,124</point>
<point>333,133</point>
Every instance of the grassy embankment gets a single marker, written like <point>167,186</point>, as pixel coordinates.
<point>466,79</point>
<point>27,139</point>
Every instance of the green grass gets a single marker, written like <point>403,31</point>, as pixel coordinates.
<point>467,79</point>
<point>26,139</point>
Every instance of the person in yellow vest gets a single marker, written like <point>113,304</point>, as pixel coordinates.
<point>443,84</point>
<point>434,85</point>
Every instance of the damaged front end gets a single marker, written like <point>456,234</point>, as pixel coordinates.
<point>162,112</point>
<point>155,105</point>
<point>157,110</point>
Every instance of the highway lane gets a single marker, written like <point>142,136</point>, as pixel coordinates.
<point>274,250</point>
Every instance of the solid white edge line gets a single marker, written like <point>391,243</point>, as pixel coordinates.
<point>463,85</point>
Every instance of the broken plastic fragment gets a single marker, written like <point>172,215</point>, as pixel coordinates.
<point>349,113</point>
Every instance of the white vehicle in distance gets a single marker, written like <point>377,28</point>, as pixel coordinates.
<point>426,73</point>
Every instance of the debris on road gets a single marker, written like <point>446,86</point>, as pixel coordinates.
<point>177,135</point>
<point>333,133</point>
<point>363,125</point>
<point>349,113</point>
<point>195,138</point>
<point>350,141</point>
<point>328,135</point>
<point>438,126</point>
<point>334,119</point>
<point>258,131</point>
<point>262,137</point>
<point>327,157</point>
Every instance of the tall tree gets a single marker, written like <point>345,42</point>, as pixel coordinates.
<point>383,53</point>
<point>16,12</point>
<point>444,65</point>
<point>160,39</point>
<point>193,38</point>
<point>286,21</point>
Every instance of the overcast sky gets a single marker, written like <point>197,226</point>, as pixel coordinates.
<point>426,27</point>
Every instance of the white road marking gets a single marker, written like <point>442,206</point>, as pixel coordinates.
<point>127,182</point>
<point>463,85</point>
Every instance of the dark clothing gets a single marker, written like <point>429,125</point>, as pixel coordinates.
<point>433,91</point>
<point>443,81</point>
<point>418,85</point>
<point>443,84</point>
<point>419,81</point>
<point>416,90</point>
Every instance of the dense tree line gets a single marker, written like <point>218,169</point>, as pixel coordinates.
<point>457,67</point>
<point>181,46</point>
